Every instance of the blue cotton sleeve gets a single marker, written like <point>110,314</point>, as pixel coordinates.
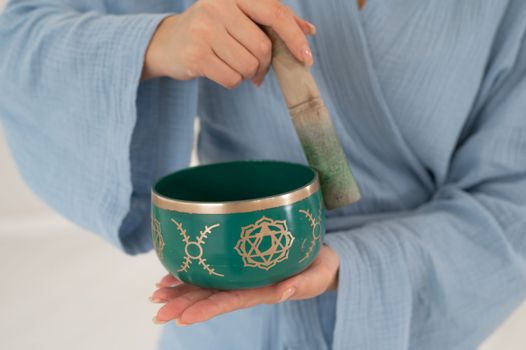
<point>445,275</point>
<point>68,91</point>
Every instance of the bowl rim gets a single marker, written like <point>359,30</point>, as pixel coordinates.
<point>238,206</point>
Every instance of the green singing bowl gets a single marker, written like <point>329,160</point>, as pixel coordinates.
<point>239,224</point>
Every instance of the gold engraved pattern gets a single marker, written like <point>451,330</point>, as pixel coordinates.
<point>157,237</point>
<point>315,225</point>
<point>264,243</point>
<point>195,245</point>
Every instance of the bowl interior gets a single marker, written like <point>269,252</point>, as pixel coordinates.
<point>234,181</point>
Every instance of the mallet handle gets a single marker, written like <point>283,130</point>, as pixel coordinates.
<point>313,125</point>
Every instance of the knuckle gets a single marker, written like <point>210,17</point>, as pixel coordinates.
<point>201,21</point>
<point>198,27</point>
<point>208,8</point>
<point>238,301</point>
<point>193,60</point>
<point>264,48</point>
<point>279,11</point>
<point>252,67</point>
<point>233,81</point>
<point>277,298</point>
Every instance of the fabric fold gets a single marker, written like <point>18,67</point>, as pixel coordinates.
<point>68,105</point>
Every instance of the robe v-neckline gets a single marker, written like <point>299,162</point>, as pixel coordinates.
<point>358,85</point>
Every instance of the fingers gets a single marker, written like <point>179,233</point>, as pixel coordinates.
<point>217,70</point>
<point>168,281</point>
<point>190,304</point>
<point>280,18</point>
<point>166,294</point>
<point>174,308</point>
<point>235,55</point>
<point>307,27</point>
<point>228,301</point>
<point>315,280</point>
<point>248,34</point>
<point>184,45</point>
<point>214,305</point>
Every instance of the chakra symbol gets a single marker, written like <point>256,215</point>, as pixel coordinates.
<point>194,249</point>
<point>315,225</point>
<point>157,237</point>
<point>264,243</point>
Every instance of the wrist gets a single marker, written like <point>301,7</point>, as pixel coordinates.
<point>153,66</point>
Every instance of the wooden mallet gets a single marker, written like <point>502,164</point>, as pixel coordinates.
<point>313,125</point>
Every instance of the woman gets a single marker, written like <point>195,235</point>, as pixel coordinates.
<point>429,101</point>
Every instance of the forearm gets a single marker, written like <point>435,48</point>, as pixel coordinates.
<point>443,277</point>
<point>68,105</point>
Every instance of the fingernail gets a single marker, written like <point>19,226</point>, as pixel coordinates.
<point>156,300</point>
<point>257,82</point>
<point>312,28</point>
<point>179,323</point>
<point>155,320</point>
<point>287,294</point>
<point>159,285</point>
<point>307,57</point>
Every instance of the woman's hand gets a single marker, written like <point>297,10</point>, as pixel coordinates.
<point>220,40</point>
<point>188,304</point>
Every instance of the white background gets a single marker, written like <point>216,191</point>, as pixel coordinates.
<point>62,288</point>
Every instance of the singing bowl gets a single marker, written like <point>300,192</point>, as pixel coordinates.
<point>236,225</point>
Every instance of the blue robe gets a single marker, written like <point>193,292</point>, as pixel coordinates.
<point>428,99</point>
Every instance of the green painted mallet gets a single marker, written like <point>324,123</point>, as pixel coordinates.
<point>313,125</point>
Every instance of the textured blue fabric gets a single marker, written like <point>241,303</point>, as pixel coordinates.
<point>428,99</point>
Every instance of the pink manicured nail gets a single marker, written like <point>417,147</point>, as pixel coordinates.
<point>257,82</point>
<point>156,300</point>
<point>307,57</point>
<point>178,322</point>
<point>287,294</point>
<point>155,320</point>
<point>159,285</point>
<point>312,28</point>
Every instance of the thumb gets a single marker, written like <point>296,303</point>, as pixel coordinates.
<point>315,280</point>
